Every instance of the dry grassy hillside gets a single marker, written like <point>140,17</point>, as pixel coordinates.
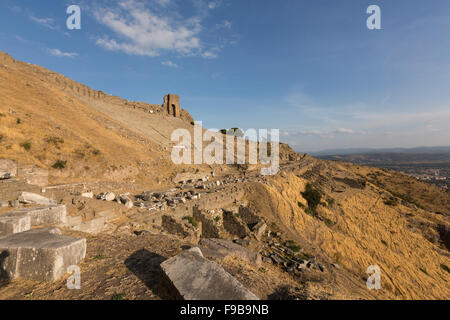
<point>45,119</point>
<point>360,224</point>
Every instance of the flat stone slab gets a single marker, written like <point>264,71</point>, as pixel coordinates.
<point>43,215</point>
<point>220,249</point>
<point>41,254</point>
<point>197,278</point>
<point>29,197</point>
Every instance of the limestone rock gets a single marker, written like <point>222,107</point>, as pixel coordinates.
<point>259,230</point>
<point>41,254</point>
<point>44,215</point>
<point>220,248</point>
<point>14,224</point>
<point>197,278</point>
<point>89,195</point>
<point>28,197</point>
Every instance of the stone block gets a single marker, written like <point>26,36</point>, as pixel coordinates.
<point>14,224</point>
<point>41,254</point>
<point>197,278</point>
<point>221,248</point>
<point>44,215</point>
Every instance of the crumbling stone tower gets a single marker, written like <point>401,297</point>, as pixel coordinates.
<point>172,105</point>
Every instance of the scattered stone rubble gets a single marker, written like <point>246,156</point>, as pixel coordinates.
<point>288,256</point>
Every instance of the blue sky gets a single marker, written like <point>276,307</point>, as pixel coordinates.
<point>310,68</point>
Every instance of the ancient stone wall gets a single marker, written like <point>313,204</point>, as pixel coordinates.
<point>211,201</point>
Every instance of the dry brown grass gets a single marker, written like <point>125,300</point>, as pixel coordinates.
<point>365,232</point>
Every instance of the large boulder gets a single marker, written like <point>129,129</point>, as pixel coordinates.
<point>197,278</point>
<point>40,254</point>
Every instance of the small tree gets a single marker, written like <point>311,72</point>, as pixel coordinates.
<point>312,196</point>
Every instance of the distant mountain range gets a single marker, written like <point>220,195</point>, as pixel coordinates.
<point>351,151</point>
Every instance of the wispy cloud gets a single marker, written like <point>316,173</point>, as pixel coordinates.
<point>142,31</point>
<point>224,25</point>
<point>214,4</point>
<point>320,133</point>
<point>59,53</point>
<point>169,64</point>
<point>46,22</point>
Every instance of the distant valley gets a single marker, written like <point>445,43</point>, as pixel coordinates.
<point>430,164</point>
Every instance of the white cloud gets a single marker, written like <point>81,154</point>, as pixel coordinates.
<point>224,25</point>
<point>46,22</point>
<point>141,31</point>
<point>209,55</point>
<point>169,64</point>
<point>59,53</point>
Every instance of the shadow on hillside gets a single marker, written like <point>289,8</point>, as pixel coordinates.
<point>287,292</point>
<point>4,277</point>
<point>146,266</point>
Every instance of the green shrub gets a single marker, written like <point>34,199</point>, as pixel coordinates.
<point>54,140</point>
<point>293,246</point>
<point>312,196</point>
<point>100,257</point>
<point>118,296</point>
<point>26,145</point>
<point>300,205</point>
<point>60,164</point>
<point>192,221</point>
<point>330,201</point>
<point>96,152</point>
<point>18,121</point>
